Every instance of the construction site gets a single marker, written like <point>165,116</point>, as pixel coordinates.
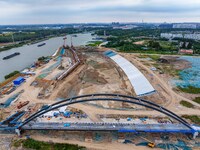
<point>35,100</point>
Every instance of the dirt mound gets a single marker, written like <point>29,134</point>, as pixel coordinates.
<point>97,65</point>
<point>70,89</point>
<point>92,76</point>
<point>99,75</point>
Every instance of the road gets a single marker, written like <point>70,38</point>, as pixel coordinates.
<point>174,97</point>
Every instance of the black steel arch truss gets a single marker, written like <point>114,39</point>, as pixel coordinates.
<point>107,97</point>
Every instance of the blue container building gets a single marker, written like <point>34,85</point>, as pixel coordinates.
<point>18,81</point>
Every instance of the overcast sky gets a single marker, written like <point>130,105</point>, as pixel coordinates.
<point>85,11</point>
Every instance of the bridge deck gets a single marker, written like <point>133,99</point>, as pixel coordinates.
<point>123,127</point>
<point>13,118</point>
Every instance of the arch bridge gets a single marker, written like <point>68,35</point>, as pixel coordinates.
<point>183,125</point>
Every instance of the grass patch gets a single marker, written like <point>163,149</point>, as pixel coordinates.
<point>94,43</point>
<point>186,104</point>
<point>154,57</point>
<point>39,145</point>
<point>190,89</point>
<point>197,100</point>
<point>168,69</point>
<point>1,116</point>
<point>195,119</point>
<point>17,143</point>
<point>9,80</point>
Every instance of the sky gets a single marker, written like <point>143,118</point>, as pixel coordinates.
<point>97,11</point>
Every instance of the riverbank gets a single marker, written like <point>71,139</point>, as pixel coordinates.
<point>30,53</point>
<point>9,46</point>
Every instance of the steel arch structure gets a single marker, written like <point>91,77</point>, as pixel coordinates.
<point>106,97</point>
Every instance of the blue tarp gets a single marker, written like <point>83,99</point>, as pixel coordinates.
<point>109,53</point>
<point>190,76</point>
<point>67,114</point>
<point>67,125</point>
<point>62,51</point>
<point>56,114</point>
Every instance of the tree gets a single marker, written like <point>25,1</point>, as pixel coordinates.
<point>154,44</point>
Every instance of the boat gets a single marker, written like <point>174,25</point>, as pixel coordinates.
<point>12,55</point>
<point>39,45</point>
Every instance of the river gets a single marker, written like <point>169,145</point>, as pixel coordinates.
<point>30,53</point>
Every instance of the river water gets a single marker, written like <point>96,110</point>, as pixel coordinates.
<point>30,53</point>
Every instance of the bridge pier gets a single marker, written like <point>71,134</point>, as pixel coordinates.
<point>195,134</point>
<point>18,132</point>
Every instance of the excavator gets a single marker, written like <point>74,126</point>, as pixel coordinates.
<point>150,143</point>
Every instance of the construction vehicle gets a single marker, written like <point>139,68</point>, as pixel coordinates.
<point>6,90</point>
<point>22,104</point>
<point>150,143</point>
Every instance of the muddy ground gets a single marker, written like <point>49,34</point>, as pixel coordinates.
<point>177,63</point>
<point>99,75</point>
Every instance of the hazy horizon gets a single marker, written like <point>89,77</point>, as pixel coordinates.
<point>23,12</point>
<point>98,23</point>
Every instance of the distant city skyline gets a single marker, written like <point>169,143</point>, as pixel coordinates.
<point>98,11</point>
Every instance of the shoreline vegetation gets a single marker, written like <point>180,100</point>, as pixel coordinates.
<point>14,39</point>
<point>10,77</point>
<point>20,44</point>
<point>11,74</point>
<point>189,89</point>
<point>94,43</point>
<point>6,81</point>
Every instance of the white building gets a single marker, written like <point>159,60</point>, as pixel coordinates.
<point>194,36</point>
<point>185,26</point>
<point>139,82</point>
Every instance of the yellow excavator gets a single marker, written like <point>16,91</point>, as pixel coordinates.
<point>150,143</point>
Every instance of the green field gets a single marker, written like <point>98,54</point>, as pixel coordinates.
<point>197,100</point>
<point>190,89</point>
<point>195,119</point>
<point>186,104</point>
<point>38,145</point>
<point>94,43</point>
